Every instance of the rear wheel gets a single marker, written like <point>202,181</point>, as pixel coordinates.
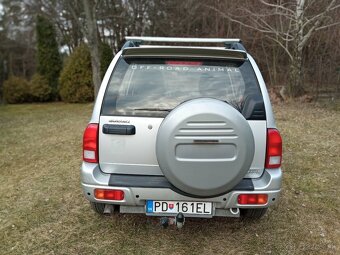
<point>100,208</point>
<point>253,214</point>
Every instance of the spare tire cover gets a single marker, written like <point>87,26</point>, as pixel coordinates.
<point>204,147</point>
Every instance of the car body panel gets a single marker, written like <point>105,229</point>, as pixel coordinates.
<point>136,154</point>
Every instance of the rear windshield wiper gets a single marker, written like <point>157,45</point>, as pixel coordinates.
<point>233,104</point>
<point>153,109</point>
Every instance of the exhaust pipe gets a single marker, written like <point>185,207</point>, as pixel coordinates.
<point>234,211</point>
<point>108,209</point>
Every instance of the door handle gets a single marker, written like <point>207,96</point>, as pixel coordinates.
<point>119,129</point>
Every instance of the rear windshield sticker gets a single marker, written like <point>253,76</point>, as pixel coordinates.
<point>186,68</point>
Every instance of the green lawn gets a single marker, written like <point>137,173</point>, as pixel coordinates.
<point>43,211</point>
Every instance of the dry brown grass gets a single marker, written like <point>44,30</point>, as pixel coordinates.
<point>43,211</point>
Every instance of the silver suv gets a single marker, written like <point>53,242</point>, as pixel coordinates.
<point>182,131</point>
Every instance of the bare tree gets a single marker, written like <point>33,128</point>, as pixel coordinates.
<point>289,38</point>
<point>16,40</point>
<point>290,24</point>
<point>91,33</point>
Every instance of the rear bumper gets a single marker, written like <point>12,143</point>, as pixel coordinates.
<point>135,197</point>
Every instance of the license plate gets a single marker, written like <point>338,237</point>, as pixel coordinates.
<point>177,207</point>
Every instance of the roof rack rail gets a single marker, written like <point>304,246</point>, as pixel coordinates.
<point>229,43</point>
<point>181,39</point>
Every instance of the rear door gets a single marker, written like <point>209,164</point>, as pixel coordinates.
<point>142,91</point>
<point>129,154</point>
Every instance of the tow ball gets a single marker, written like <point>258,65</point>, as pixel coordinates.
<point>178,221</point>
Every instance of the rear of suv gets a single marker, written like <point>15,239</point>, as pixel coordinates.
<point>184,131</point>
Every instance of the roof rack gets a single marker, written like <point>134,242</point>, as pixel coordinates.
<point>229,43</point>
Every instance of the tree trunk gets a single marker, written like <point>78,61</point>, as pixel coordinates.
<point>295,85</point>
<point>93,42</point>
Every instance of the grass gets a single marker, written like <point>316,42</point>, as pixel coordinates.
<point>43,211</point>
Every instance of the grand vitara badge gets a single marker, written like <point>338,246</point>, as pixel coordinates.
<point>119,121</point>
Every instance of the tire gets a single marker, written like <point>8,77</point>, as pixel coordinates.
<point>98,207</point>
<point>204,147</point>
<point>253,214</point>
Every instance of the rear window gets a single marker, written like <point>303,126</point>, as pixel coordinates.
<point>153,87</point>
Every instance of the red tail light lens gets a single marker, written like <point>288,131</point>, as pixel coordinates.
<point>274,149</point>
<point>90,144</point>
<point>252,199</point>
<point>109,194</point>
<point>183,63</point>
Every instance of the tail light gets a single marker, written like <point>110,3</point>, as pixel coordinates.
<point>109,194</point>
<point>252,199</point>
<point>274,149</point>
<point>183,63</point>
<point>90,143</point>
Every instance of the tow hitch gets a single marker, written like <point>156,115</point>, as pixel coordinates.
<point>178,221</point>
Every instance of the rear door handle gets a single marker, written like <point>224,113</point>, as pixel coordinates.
<point>119,129</point>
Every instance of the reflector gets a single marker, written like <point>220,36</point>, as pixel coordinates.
<point>109,194</point>
<point>252,199</point>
